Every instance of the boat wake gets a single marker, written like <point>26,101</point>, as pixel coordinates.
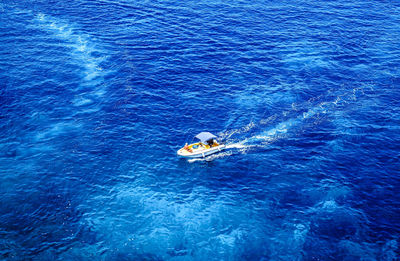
<point>302,118</point>
<point>85,53</point>
<point>72,61</point>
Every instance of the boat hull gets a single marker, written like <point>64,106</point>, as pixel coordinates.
<point>200,153</point>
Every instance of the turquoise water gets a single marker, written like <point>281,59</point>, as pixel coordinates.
<point>97,97</point>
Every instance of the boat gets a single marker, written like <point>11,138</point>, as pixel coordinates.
<point>206,144</point>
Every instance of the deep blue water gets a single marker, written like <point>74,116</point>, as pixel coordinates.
<point>97,96</point>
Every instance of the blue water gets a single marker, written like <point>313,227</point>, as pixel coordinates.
<point>97,96</point>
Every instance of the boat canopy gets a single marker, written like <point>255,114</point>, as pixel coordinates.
<point>205,136</point>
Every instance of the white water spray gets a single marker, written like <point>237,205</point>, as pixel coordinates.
<point>281,129</point>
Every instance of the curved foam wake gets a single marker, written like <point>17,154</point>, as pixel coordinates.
<point>85,52</point>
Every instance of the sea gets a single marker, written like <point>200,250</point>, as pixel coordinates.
<point>96,97</point>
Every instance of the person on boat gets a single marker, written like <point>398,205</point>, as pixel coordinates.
<point>210,143</point>
<point>186,147</point>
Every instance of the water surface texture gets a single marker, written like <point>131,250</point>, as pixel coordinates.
<point>96,97</point>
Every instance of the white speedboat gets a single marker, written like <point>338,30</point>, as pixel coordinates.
<point>206,145</point>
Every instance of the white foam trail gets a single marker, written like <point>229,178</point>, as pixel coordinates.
<point>235,146</point>
<point>254,141</point>
<point>281,129</point>
<point>84,53</point>
<point>80,101</point>
<point>82,50</point>
<point>56,129</point>
<point>245,129</point>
